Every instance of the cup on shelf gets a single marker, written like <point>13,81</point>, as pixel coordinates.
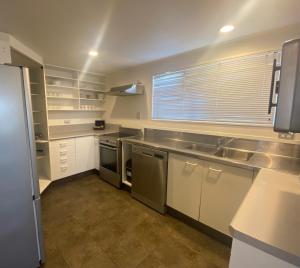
<point>100,96</point>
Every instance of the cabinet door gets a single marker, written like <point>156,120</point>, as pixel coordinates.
<point>184,184</point>
<point>85,158</point>
<point>223,189</point>
<point>96,153</point>
<point>62,158</point>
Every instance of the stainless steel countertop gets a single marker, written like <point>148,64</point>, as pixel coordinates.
<point>275,193</point>
<point>258,160</point>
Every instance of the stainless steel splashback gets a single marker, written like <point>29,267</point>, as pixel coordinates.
<point>178,136</point>
<point>267,147</point>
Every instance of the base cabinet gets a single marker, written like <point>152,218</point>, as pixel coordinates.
<point>206,191</point>
<point>247,256</point>
<point>223,190</point>
<point>85,153</point>
<point>184,184</point>
<point>72,156</point>
<point>62,158</point>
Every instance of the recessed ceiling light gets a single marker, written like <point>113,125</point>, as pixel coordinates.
<point>93,53</point>
<point>226,28</point>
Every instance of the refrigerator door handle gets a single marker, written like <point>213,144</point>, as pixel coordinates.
<point>271,103</point>
<point>28,107</point>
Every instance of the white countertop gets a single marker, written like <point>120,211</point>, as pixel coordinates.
<point>269,216</point>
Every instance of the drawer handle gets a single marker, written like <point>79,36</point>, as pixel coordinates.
<point>63,152</point>
<point>63,160</point>
<point>187,163</point>
<point>61,145</point>
<point>63,169</point>
<point>215,170</point>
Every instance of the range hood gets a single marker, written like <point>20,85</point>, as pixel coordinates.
<point>127,90</point>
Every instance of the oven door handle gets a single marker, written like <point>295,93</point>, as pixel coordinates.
<point>108,147</point>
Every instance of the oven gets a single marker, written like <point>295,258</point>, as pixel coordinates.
<point>110,146</point>
<point>109,164</point>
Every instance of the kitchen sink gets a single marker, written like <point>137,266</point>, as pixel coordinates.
<point>234,154</point>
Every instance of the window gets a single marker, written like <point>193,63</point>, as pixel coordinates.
<point>232,91</point>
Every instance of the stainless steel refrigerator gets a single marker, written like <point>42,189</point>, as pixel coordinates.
<point>21,244</point>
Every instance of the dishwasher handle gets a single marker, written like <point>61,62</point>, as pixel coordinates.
<point>151,153</point>
<point>147,154</point>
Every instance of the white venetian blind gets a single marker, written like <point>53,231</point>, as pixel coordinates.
<point>234,91</point>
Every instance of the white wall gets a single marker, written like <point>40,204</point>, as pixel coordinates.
<point>125,110</point>
<point>7,42</point>
<point>5,56</point>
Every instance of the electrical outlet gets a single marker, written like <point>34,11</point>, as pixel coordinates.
<point>286,136</point>
<point>138,115</point>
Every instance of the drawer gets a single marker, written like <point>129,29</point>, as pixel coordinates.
<point>62,157</point>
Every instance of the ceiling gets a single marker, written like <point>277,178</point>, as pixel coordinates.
<point>131,32</point>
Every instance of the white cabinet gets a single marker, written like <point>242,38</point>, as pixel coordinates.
<point>71,156</point>
<point>247,256</point>
<point>223,189</point>
<point>62,158</point>
<point>96,153</point>
<point>206,191</point>
<point>85,153</point>
<point>184,184</point>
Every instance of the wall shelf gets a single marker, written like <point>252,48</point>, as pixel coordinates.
<point>61,98</point>
<point>94,90</point>
<point>60,86</point>
<point>60,77</point>
<point>38,111</point>
<point>41,141</point>
<point>74,98</point>
<point>91,82</point>
<point>44,182</point>
<point>86,99</point>
<point>40,157</point>
<point>73,124</point>
<point>76,110</point>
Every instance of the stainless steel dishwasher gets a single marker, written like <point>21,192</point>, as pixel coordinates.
<point>149,177</point>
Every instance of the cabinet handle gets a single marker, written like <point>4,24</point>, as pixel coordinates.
<point>63,160</point>
<point>187,163</point>
<point>215,170</point>
<point>213,175</point>
<point>63,169</point>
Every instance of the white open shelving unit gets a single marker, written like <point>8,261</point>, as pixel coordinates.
<point>73,97</point>
<point>39,115</point>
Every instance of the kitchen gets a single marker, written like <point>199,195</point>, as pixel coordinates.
<point>150,134</point>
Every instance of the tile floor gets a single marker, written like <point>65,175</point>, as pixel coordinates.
<point>89,223</point>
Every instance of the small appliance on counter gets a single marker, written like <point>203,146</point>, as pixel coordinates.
<point>99,125</point>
